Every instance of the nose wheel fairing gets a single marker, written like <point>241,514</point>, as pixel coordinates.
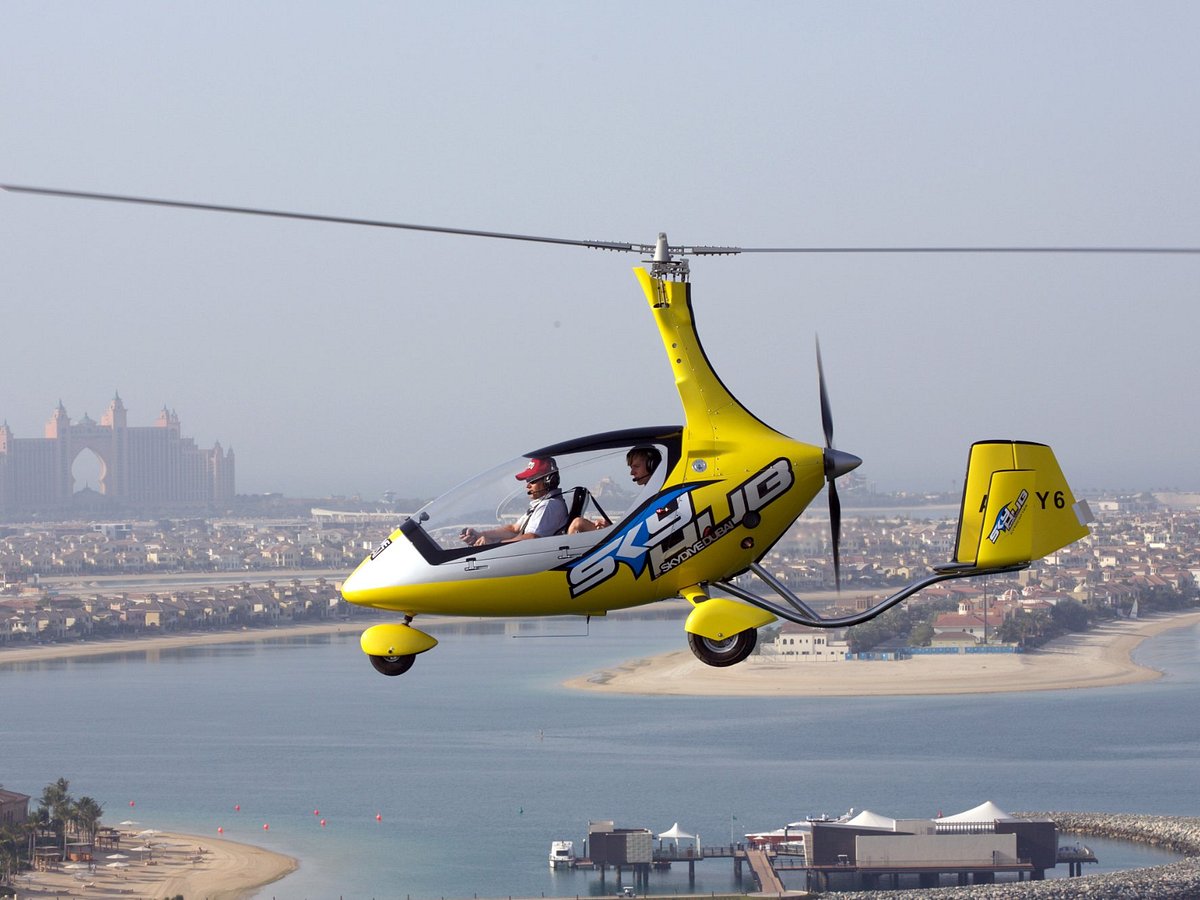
<point>718,619</point>
<point>395,640</point>
<point>393,647</point>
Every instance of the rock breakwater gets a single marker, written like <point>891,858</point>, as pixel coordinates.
<point>1174,881</point>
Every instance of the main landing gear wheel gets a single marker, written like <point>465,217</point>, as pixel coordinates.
<point>725,652</point>
<point>392,665</point>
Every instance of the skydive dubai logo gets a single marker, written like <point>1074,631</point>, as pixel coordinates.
<point>671,532</point>
<point>1006,519</point>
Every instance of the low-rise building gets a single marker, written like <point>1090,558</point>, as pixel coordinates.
<point>799,643</point>
<point>14,808</point>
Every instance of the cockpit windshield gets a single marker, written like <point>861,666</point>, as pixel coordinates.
<point>595,481</point>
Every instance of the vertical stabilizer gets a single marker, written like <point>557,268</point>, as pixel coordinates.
<point>1016,506</point>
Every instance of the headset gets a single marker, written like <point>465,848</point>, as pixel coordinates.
<point>652,454</point>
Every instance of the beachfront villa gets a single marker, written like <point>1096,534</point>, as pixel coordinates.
<point>14,808</point>
<point>800,643</point>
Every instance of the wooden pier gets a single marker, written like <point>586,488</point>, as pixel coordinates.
<point>761,862</point>
<point>837,860</point>
<point>764,872</point>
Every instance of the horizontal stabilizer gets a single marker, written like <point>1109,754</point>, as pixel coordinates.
<point>1016,506</point>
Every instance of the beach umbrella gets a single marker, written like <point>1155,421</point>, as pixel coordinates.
<point>116,856</point>
<point>117,865</point>
<point>149,831</point>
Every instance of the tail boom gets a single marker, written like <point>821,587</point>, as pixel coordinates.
<point>1016,508</point>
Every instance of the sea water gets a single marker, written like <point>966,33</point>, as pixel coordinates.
<point>452,780</point>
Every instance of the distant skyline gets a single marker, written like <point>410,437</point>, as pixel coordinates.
<point>136,467</point>
<point>341,360</point>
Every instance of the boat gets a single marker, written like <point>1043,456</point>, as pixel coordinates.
<point>562,854</point>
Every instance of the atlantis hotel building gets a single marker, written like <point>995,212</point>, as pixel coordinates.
<point>144,470</point>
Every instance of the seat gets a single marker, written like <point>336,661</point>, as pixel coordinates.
<point>576,502</point>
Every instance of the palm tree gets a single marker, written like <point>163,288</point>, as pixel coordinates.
<point>55,807</point>
<point>11,840</point>
<point>86,814</point>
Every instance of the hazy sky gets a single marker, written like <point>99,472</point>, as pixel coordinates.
<point>340,360</point>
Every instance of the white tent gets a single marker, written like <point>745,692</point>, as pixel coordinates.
<point>984,812</point>
<point>675,834</point>
<point>868,819</point>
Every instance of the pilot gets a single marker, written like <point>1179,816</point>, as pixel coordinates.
<point>547,513</point>
<point>642,462</point>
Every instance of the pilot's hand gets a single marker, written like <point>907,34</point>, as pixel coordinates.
<point>469,536</point>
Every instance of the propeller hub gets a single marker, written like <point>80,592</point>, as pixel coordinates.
<point>838,463</point>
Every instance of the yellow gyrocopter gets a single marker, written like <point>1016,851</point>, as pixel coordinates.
<point>562,530</point>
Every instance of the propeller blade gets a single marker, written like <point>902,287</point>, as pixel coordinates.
<point>826,412</point>
<point>835,525</point>
<point>836,464</point>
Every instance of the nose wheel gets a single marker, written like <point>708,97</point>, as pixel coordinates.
<point>724,652</point>
<point>392,648</point>
<point>392,665</point>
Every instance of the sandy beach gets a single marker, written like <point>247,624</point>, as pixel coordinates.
<point>1098,658</point>
<point>14,655</point>
<point>177,864</point>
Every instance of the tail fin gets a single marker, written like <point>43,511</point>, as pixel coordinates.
<point>1016,506</point>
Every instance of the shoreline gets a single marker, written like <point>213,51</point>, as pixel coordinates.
<point>23,653</point>
<point>77,649</point>
<point>1101,657</point>
<point>178,864</point>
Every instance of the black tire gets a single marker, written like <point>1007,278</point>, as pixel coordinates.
<point>392,665</point>
<point>726,652</point>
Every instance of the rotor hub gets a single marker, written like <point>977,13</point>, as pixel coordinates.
<point>663,265</point>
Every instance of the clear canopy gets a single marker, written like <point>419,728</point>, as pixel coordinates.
<point>498,497</point>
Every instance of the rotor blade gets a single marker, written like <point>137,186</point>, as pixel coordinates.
<point>1063,249</point>
<point>621,246</point>
<point>312,217</point>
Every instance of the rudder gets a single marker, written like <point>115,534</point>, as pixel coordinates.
<point>1016,506</point>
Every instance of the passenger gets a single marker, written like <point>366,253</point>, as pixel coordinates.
<point>547,513</point>
<point>642,462</point>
